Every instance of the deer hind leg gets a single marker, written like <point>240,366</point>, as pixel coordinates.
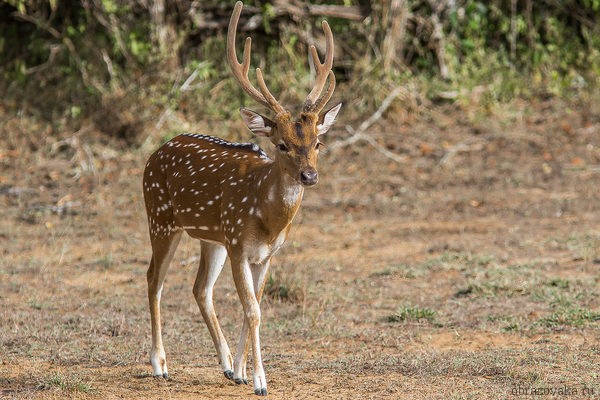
<point>162,254</point>
<point>212,259</point>
<point>249,280</point>
<point>241,356</point>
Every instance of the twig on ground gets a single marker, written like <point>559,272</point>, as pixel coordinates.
<point>466,146</point>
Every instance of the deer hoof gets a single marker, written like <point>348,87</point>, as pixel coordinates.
<point>228,374</point>
<point>260,392</point>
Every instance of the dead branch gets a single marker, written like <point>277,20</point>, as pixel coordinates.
<point>467,146</point>
<point>344,12</point>
<point>185,86</point>
<point>83,156</point>
<point>216,19</point>
<point>359,134</point>
<point>437,39</point>
<point>299,10</point>
<point>54,49</point>
<point>392,45</point>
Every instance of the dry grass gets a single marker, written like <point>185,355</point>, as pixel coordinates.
<point>419,282</point>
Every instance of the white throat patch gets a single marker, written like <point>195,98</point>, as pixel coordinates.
<point>292,194</point>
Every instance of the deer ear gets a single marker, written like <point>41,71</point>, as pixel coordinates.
<point>259,125</point>
<point>327,119</point>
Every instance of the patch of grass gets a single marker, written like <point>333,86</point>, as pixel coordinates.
<point>285,286</point>
<point>512,327</point>
<point>498,280</point>
<point>399,270</point>
<point>507,322</point>
<point>65,383</point>
<point>559,292</point>
<point>464,292</point>
<point>574,316</point>
<point>413,313</point>
<point>455,363</point>
<point>36,305</point>
<point>585,247</point>
<point>558,283</point>
<point>459,261</point>
<point>105,262</point>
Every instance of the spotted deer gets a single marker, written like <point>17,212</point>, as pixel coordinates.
<point>237,201</point>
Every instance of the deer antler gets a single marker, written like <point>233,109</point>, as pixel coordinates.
<point>240,71</point>
<point>313,102</point>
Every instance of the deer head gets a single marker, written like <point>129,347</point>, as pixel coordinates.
<point>296,141</point>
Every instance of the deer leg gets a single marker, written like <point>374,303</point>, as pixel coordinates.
<point>259,275</point>
<point>162,254</point>
<point>212,258</point>
<point>242,276</point>
<point>241,356</point>
<point>245,285</point>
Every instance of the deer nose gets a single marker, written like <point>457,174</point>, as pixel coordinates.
<point>309,177</point>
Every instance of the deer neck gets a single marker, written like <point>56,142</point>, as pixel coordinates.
<point>283,195</point>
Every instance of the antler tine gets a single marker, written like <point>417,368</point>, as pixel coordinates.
<point>322,101</point>
<point>275,106</point>
<point>246,56</point>
<point>240,71</point>
<point>321,69</point>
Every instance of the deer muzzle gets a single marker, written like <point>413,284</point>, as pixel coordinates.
<point>309,177</point>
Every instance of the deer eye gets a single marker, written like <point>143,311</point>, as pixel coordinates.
<point>282,147</point>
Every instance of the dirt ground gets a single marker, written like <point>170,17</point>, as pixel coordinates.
<point>465,269</point>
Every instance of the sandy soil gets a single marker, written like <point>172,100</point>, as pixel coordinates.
<point>467,270</point>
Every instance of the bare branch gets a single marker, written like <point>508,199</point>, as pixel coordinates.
<point>469,145</point>
<point>359,134</point>
<point>437,36</point>
<point>392,43</point>
<point>54,49</point>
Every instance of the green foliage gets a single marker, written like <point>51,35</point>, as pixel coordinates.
<point>72,60</point>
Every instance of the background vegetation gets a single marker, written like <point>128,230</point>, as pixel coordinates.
<point>451,250</point>
<point>130,69</point>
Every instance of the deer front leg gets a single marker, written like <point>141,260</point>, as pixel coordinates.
<point>212,258</point>
<point>244,283</point>
<point>162,253</point>
<point>259,278</point>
